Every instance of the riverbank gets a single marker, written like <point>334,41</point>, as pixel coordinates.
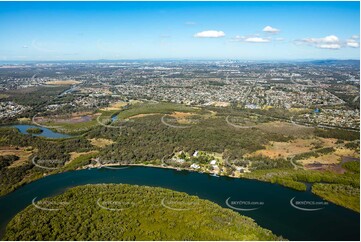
<point>295,185</point>
<point>275,212</point>
<point>281,177</point>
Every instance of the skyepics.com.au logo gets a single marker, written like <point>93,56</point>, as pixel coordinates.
<point>307,205</point>
<point>168,159</point>
<point>179,122</point>
<point>48,164</point>
<point>238,122</point>
<point>111,164</point>
<point>48,205</point>
<point>243,205</point>
<point>114,205</point>
<point>34,120</point>
<point>112,122</point>
<point>178,204</point>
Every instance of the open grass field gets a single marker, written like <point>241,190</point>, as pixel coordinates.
<point>151,108</point>
<point>24,120</point>
<point>332,158</point>
<point>68,119</point>
<point>76,155</point>
<point>115,106</point>
<point>65,82</point>
<point>3,96</point>
<point>142,115</point>
<point>73,125</point>
<point>286,128</point>
<point>285,149</point>
<point>298,146</point>
<point>100,142</point>
<point>22,152</point>
<point>221,104</point>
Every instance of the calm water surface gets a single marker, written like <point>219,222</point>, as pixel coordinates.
<point>46,132</point>
<point>273,212</point>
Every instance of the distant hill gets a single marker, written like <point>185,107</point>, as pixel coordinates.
<point>335,62</point>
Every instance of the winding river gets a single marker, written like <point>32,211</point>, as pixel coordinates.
<point>294,215</point>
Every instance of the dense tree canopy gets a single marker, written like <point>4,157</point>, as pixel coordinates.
<point>128,212</point>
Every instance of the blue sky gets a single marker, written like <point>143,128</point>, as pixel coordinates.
<point>196,30</point>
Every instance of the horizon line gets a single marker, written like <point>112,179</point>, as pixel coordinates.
<point>187,59</point>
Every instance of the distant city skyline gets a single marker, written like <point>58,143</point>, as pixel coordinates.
<point>179,30</point>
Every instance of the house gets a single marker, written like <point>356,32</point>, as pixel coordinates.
<point>195,154</point>
<point>195,166</point>
<point>213,162</point>
<point>178,160</point>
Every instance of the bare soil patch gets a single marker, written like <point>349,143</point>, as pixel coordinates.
<point>65,82</point>
<point>22,152</point>
<point>115,106</point>
<point>100,142</point>
<point>74,155</point>
<point>285,128</point>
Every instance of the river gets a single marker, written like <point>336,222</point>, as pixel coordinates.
<point>273,209</point>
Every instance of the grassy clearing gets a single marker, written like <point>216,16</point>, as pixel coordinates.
<point>3,96</point>
<point>332,158</point>
<point>148,108</point>
<point>286,128</point>
<point>65,82</point>
<point>24,120</point>
<point>22,152</point>
<point>115,106</point>
<point>72,128</point>
<point>80,161</point>
<point>286,149</point>
<point>75,155</point>
<point>100,142</point>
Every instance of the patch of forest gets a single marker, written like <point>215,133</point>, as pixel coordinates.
<point>148,139</point>
<point>43,150</point>
<point>129,212</point>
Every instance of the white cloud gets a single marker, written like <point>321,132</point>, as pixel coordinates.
<point>327,39</point>
<point>210,34</point>
<point>352,43</point>
<point>256,40</point>
<point>251,39</point>
<point>270,29</point>
<point>330,39</point>
<point>328,42</point>
<point>331,42</point>
<point>25,46</point>
<point>329,46</point>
